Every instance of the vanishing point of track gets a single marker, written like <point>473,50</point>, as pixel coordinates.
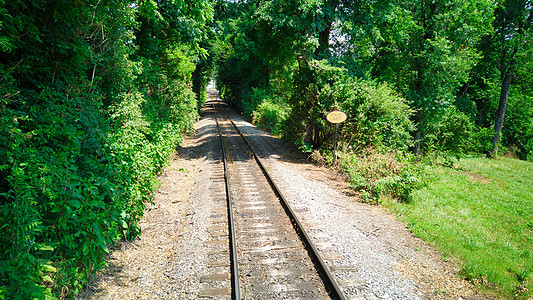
<point>271,255</point>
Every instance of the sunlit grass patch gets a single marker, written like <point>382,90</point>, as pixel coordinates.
<point>481,214</point>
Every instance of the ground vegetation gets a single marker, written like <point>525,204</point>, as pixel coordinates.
<point>94,97</point>
<point>479,213</point>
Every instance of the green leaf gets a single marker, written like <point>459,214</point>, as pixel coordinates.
<point>44,247</point>
<point>124,224</point>
<point>75,203</point>
<point>85,248</point>
<point>98,229</point>
<point>49,268</point>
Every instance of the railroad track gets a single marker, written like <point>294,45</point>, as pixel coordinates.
<point>271,255</point>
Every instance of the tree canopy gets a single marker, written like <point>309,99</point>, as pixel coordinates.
<point>438,55</point>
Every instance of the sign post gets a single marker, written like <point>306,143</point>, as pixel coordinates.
<point>336,117</point>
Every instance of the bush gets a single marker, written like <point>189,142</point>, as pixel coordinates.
<point>450,133</point>
<point>271,113</point>
<point>517,132</point>
<point>313,95</point>
<point>480,141</point>
<point>375,174</point>
<point>377,116</point>
<point>59,210</point>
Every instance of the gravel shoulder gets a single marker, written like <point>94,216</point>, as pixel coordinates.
<point>373,255</point>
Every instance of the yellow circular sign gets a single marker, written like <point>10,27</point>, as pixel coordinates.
<point>336,116</point>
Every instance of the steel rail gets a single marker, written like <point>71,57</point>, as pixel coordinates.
<point>235,294</point>
<point>329,280</point>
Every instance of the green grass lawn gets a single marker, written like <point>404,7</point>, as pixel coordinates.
<point>479,213</point>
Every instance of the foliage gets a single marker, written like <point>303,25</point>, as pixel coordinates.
<point>427,50</point>
<point>242,58</point>
<point>452,135</point>
<point>479,213</point>
<point>518,130</point>
<point>313,96</point>
<point>92,102</point>
<point>376,174</point>
<point>501,83</point>
<point>379,117</point>
<point>480,140</point>
<point>271,113</point>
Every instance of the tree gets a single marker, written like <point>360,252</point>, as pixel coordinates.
<point>511,40</point>
<point>426,49</point>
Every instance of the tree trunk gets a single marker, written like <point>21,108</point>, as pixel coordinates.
<point>419,122</point>
<point>323,36</point>
<point>323,40</point>
<point>418,137</point>
<point>501,113</point>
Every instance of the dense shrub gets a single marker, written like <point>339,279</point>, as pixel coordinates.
<point>271,113</point>
<point>480,140</point>
<point>375,174</point>
<point>378,117</point>
<point>237,79</point>
<point>518,128</point>
<point>90,109</point>
<point>451,135</point>
<point>316,91</point>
